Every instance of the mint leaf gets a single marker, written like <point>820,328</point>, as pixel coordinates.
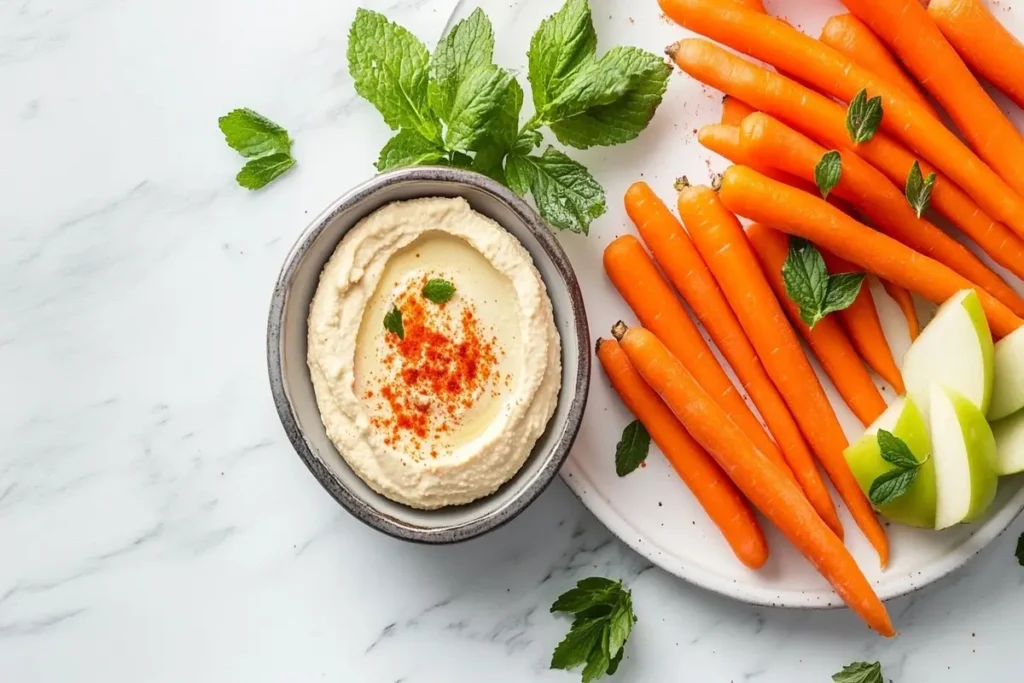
<point>632,448</point>
<point>863,117</point>
<point>806,279</point>
<point>843,290</point>
<point>620,626</point>
<point>598,661</point>
<point>613,665</point>
<point>253,135</point>
<point>859,672</point>
<point>894,450</point>
<point>408,148</point>
<point>890,485</point>
<point>595,583</point>
<point>390,67</point>
<point>527,141</point>
<point>622,119</point>
<point>470,44</point>
<point>564,41</point>
<point>828,171</point>
<point>438,290</point>
<point>393,322</point>
<point>502,135</point>
<point>259,172</point>
<point>919,190</point>
<point>479,95</point>
<point>567,196</point>
<point>595,83</point>
<point>1020,550</point>
<point>577,645</point>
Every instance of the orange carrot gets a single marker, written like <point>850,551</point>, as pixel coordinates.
<point>750,194</point>
<point>824,68</point>
<point>754,5</point>
<point>720,240</point>
<point>905,27</point>
<point>679,260</point>
<point>827,340</point>
<point>716,493</point>
<point>848,35</point>
<point>734,111</point>
<point>905,301</point>
<point>776,496</point>
<point>772,142</point>
<point>982,42</point>
<point>656,306</point>
<point>824,121</point>
<point>862,325</point>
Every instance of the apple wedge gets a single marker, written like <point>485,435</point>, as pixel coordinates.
<point>953,351</point>
<point>964,452</point>
<point>916,507</point>
<point>1009,435</point>
<point>1008,369</point>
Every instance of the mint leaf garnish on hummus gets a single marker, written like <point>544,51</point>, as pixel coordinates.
<point>438,290</point>
<point>393,322</point>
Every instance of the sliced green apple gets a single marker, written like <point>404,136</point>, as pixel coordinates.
<point>964,452</point>
<point>953,351</point>
<point>1008,368</point>
<point>916,507</point>
<point>1009,434</point>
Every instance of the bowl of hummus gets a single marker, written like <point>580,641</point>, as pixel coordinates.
<point>428,353</point>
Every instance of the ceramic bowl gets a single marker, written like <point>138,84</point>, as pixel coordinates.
<point>293,389</point>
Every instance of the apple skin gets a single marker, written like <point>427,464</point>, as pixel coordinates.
<point>917,506</point>
<point>1008,372</point>
<point>977,444</point>
<point>1009,435</point>
<point>954,350</point>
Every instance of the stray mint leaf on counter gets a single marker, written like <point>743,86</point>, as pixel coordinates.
<point>565,192</point>
<point>393,322</point>
<point>828,171</point>
<point>919,189</point>
<point>632,448</point>
<point>457,108</point>
<point>603,621</point>
<point>1020,550</point>
<point>438,290</point>
<point>262,141</point>
<point>860,672</point>
<point>892,484</point>
<point>863,117</point>
<point>809,285</point>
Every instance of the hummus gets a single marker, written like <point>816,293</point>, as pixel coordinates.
<point>444,407</point>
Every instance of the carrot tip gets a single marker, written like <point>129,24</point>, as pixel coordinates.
<point>619,330</point>
<point>681,183</point>
<point>671,50</point>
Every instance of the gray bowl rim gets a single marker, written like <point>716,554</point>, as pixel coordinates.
<point>353,503</point>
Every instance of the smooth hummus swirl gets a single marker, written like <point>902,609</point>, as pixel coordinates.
<point>450,410</point>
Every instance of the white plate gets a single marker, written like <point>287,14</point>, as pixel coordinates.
<point>651,510</point>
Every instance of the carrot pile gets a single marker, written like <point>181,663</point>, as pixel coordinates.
<point>804,169</point>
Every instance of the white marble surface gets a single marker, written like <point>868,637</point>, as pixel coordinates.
<point>155,524</point>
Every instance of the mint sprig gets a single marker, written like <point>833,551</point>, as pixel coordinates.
<point>810,286</point>
<point>457,108</point>
<point>632,448</point>
<point>266,144</point>
<point>602,622</point>
<point>860,672</point>
<point>895,482</point>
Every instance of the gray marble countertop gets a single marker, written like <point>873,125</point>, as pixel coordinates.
<point>155,524</point>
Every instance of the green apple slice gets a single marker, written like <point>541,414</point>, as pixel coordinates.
<point>916,507</point>
<point>1008,385</point>
<point>953,351</point>
<point>964,452</point>
<point>1009,434</point>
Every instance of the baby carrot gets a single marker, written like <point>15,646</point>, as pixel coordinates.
<point>734,111</point>
<point>848,35</point>
<point>982,42</point>
<point>905,301</point>
<point>775,495</point>
<point>827,340</point>
<point>771,141</point>
<point>656,306</point>
<point>905,27</point>
<point>683,266</point>
<point>822,67</point>
<point>712,488</point>
<point>725,249</point>
<point>761,199</point>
